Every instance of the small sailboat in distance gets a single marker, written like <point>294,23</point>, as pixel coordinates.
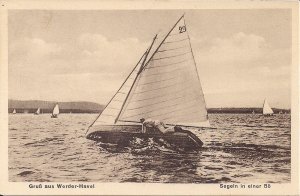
<point>164,85</point>
<point>55,111</point>
<point>38,111</point>
<point>14,112</point>
<point>267,110</point>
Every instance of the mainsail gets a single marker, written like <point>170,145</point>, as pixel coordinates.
<point>14,112</point>
<point>55,110</point>
<point>266,108</point>
<point>164,85</point>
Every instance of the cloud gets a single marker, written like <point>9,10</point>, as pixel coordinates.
<point>91,64</point>
<point>98,54</point>
<point>241,65</point>
<point>238,48</point>
<point>89,53</point>
<point>32,56</point>
<point>92,67</point>
<point>34,47</point>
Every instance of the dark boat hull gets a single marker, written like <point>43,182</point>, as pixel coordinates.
<point>122,135</point>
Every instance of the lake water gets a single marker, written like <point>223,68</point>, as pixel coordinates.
<point>244,148</point>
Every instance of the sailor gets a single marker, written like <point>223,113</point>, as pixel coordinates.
<point>149,123</point>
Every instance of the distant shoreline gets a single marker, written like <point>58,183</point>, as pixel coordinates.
<point>31,106</point>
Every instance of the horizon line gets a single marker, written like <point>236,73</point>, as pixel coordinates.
<point>289,108</point>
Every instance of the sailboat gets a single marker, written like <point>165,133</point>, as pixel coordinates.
<point>14,112</point>
<point>267,110</point>
<point>55,111</point>
<point>164,85</point>
<point>37,112</point>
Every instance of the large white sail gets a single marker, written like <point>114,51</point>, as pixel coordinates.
<point>14,112</point>
<point>56,110</point>
<point>38,111</point>
<point>165,87</point>
<point>266,108</point>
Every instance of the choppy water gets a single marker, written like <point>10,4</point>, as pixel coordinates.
<point>243,148</point>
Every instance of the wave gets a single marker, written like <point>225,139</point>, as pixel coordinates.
<point>142,146</point>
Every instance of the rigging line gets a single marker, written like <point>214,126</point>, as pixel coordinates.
<point>168,100</point>
<point>159,36</point>
<point>117,90</point>
<point>165,65</point>
<point>177,110</point>
<point>169,112</point>
<point>175,41</point>
<point>176,34</point>
<point>179,68</point>
<point>175,92</point>
<point>157,109</point>
<point>172,49</point>
<point>122,93</point>
<point>158,81</point>
<point>163,41</point>
<point>136,77</point>
<point>167,57</point>
<point>163,73</point>
<point>142,67</point>
<point>162,87</point>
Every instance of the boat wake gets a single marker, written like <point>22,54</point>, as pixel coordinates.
<point>141,146</point>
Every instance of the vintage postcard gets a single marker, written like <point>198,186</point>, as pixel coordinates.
<point>149,98</point>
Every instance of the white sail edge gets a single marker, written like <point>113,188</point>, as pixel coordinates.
<point>266,108</point>
<point>56,110</point>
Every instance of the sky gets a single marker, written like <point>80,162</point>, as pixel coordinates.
<point>242,56</point>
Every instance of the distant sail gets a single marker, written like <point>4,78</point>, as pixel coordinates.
<point>55,110</point>
<point>14,112</point>
<point>266,108</point>
<point>164,85</point>
<point>38,111</point>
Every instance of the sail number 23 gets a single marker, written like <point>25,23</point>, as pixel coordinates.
<point>182,29</point>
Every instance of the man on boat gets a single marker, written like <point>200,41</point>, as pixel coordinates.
<point>158,125</point>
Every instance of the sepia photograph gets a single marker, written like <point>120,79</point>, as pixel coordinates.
<point>160,96</point>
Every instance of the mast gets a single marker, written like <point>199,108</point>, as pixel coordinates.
<point>163,41</point>
<point>163,85</point>
<point>147,52</point>
<point>143,66</point>
<point>119,88</point>
<point>140,71</point>
<point>168,88</point>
